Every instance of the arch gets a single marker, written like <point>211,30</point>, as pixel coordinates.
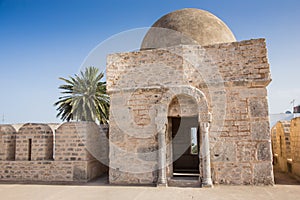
<point>198,96</point>
<point>204,119</point>
<point>182,123</point>
<point>183,106</point>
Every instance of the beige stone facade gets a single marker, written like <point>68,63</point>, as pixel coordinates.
<point>222,86</point>
<point>283,147</point>
<point>35,154</point>
<point>7,142</point>
<point>295,146</point>
<point>274,145</point>
<point>34,142</point>
<point>286,146</point>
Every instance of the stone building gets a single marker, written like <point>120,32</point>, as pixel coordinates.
<point>191,102</point>
<point>286,146</point>
<point>282,145</point>
<point>77,152</point>
<point>295,146</point>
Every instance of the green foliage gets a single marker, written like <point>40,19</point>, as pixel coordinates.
<point>194,149</point>
<point>85,97</point>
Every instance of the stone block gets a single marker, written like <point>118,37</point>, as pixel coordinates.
<point>223,152</point>
<point>263,174</point>
<point>260,130</point>
<point>258,107</point>
<point>148,153</point>
<point>246,151</point>
<point>79,173</point>
<point>264,151</point>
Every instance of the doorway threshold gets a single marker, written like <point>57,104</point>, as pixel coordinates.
<point>186,174</point>
<point>184,180</point>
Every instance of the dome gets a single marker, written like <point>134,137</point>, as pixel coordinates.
<point>187,26</point>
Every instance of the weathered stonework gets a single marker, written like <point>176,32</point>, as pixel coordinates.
<point>286,146</point>
<point>223,85</point>
<point>295,146</point>
<point>34,142</point>
<point>79,153</point>
<point>283,146</point>
<point>7,142</point>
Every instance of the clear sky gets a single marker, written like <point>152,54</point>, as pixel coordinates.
<point>41,40</point>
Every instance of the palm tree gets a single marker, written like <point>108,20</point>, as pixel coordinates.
<point>85,97</point>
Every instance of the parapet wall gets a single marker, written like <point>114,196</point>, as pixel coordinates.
<point>7,142</point>
<point>34,142</point>
<point>32,155</point>
<point>50,171</point>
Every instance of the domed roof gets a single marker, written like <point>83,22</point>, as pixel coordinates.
<point>187,26</point>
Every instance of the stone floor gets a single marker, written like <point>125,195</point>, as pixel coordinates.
<point>286,188</point>
<point>284,179</point>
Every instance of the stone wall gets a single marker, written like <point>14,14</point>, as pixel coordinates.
<point>241,150</point>
<point>34,142</point>
<point>133,146</point>
<point>232,79</point>
<point>7,142</point>
<point>71,141</point>
<point>80,153</point>
<point>274,145</point>
<point>48,171</point>
<point>295,145</point>
<point>286,145</point>
<point>283,146</point>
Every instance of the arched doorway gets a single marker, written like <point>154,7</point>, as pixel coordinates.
<point>193,105</point>
<point>183,130</point>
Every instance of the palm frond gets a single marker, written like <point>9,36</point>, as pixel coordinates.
<point>85,97</point>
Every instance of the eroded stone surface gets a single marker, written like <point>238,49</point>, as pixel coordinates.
<point>224,84</point>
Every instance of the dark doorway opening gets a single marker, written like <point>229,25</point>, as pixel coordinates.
<point>29,149</point>
<point>185,146</point>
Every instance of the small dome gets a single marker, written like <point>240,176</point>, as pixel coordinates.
<point>187,26</point>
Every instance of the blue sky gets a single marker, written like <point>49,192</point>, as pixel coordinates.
<point>41,40</point>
